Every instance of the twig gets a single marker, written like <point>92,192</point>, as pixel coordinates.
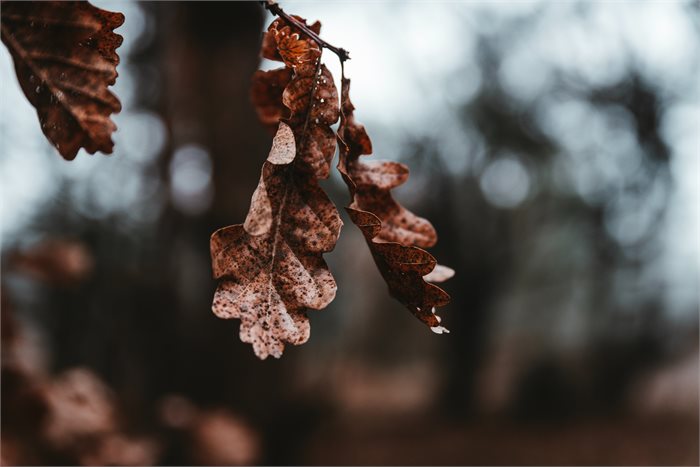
<point>275,9</point>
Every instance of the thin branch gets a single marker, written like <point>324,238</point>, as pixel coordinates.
<point>275,9</point>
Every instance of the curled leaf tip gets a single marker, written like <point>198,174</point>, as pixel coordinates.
<point>439,274</point>
<point>283,149</point>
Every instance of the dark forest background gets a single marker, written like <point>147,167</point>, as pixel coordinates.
<point>558,189</point>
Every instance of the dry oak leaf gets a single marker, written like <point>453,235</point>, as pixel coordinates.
<point>393,233</point>
<point>64,55</point>
<point>271,267</point>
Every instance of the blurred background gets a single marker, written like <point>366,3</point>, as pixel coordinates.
<point>554,145</point>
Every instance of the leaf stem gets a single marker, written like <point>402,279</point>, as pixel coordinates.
<point>274,8</point>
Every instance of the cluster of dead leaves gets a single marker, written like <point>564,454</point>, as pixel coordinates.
<point>271,267</point>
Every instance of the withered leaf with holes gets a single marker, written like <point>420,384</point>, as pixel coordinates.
<point>64,55</point>
<point>271,267</point>
<point>393,233</point>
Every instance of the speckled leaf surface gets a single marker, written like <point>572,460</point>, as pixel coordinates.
<point>393,233</point>
<point>65,59</point>
<point>271,267</point>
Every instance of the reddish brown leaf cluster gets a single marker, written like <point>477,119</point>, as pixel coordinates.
<point>271,267</point>
<point>64,54</point>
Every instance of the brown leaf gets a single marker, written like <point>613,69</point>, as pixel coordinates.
<point>269,48</point>
<point>295,50</point>
<point>271,267</point>
<point>393,233</point>
<point>266,95</point>
<point>398,223</point>
<point>313,101</point>
<point>64,55</point>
